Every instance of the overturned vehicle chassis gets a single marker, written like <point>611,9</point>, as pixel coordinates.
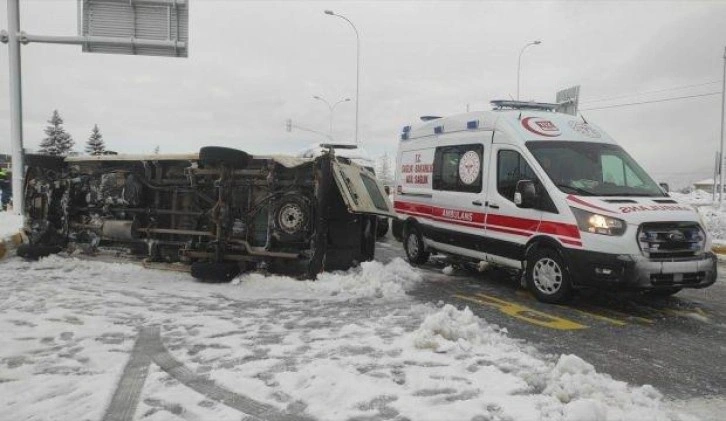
<point>222,210</point>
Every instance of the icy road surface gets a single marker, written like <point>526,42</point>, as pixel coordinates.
<point>85,340</point>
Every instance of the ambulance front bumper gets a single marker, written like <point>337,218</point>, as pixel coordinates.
<point>637,272</point>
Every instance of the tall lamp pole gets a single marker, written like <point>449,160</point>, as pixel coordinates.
<point>331,108</point>
<point>357,67</point>
<point>723,106</point>
<point>519,62</point>
<point>16,106</point>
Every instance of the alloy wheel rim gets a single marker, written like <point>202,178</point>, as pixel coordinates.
<point>547,276</point>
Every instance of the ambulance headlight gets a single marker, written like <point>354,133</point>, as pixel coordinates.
<point>598,224</point>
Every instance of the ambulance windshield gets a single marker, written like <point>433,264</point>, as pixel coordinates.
<point>593,169</point>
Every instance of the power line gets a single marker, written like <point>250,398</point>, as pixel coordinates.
<point>651,102</point>
<point>676,88</point>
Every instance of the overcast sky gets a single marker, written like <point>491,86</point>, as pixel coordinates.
<point>253,64</point>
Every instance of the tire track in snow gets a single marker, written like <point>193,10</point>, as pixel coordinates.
<point>149,348</point>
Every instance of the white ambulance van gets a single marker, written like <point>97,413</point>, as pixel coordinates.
<point>548,194</point>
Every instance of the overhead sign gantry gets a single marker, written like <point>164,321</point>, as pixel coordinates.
<point>137,27</point>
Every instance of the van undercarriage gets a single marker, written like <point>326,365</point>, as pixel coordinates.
<point>222,211</point>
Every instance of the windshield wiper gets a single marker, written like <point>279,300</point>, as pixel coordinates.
<point>576,189</point>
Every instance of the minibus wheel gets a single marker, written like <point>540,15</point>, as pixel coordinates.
<point>414,246</point>
<point>548,277</point>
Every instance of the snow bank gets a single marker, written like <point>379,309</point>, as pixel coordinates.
<point>9,224</point>
<point>713,217</point>
<point>371,279</point>
<point>569,389</point>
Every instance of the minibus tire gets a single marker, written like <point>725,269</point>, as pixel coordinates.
<point>548,277</point>
<point>214,272</point>
<point>210,156</point>
<point>417,255</point>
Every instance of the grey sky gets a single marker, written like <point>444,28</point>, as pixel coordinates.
<point>254,64</point>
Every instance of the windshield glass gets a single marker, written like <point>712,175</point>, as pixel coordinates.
<point>593,169</point>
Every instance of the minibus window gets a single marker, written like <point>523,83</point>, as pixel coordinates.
<point>593,169</point>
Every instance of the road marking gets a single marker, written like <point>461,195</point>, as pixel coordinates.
<point>524,313</point>
<point>597,316</point>
<point>590,311</point>
<point>696,314</point>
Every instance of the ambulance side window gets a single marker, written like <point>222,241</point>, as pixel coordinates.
<point>511,167</point>
<point>458,168</point>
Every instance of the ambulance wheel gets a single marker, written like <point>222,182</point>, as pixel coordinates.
<point>414,246</point>
<point>548,277</point>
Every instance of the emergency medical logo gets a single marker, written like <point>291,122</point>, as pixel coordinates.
<point>584,129</point>
<point>541,127</point>
<point>469,167</point>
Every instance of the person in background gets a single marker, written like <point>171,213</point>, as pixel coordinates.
<point>5,192</point>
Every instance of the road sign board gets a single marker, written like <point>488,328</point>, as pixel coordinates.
<point>568,100</point>
<point>152,27</point>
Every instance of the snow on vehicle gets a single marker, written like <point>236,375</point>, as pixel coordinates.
<point>550,195</point>
<point>221,210</point>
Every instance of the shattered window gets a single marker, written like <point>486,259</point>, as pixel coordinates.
<point>378,201</point>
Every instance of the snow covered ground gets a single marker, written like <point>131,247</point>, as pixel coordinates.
<point>351,346</point>
<point>713,217</point>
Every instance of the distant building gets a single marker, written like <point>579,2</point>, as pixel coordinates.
<point>705,185</point>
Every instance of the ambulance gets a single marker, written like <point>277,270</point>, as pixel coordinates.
<point>550,195</point>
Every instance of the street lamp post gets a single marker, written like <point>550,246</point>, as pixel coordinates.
<point>723,110</point>
<point>357,67</point>
<point>331,108</point>
<point>519,62</point>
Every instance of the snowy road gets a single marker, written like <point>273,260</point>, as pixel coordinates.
<point>676,344</point>
<point>84,340</point>
<point>88,340</point>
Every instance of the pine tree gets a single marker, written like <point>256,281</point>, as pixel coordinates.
<point>57,141</point>
<point>95,144</point>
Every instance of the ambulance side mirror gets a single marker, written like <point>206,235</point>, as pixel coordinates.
<point>525,195</point>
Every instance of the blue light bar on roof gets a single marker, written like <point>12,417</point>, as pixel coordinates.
<point>472,125</point>
<point>439,129</point>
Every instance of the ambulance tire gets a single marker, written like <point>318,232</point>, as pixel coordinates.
<point>414,245</point>
<point>548,277</point>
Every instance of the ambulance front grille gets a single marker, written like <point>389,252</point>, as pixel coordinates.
<point>666,240</point>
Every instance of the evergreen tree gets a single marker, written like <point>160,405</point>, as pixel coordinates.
<point>57,141</point>
<point>156,150</point>
<point>95,144</point>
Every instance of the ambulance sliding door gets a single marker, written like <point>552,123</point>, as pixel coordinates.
<point>459,183</point>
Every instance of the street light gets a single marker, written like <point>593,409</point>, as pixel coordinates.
<point>519,63</point>
<point>357,67</point>
<point>331,108</point>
